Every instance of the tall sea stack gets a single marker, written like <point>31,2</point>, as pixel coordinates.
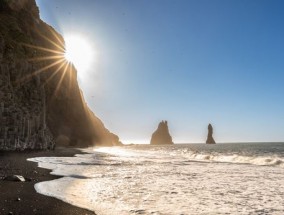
<point>210,139</point>
<point>40,100</point>
<point>162,135</point>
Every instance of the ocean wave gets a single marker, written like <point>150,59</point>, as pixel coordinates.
<point>168,180</point>
<point>235,158</point>
<point>174,155</point>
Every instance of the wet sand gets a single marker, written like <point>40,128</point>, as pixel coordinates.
<point>20,198</point>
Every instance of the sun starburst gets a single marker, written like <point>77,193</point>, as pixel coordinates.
<point>51,59</point>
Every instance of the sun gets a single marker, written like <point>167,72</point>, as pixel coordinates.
<point>78,50</point>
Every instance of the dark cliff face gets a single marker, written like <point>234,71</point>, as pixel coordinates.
<point>40,100</point>
<point>161,136</point>
<point>210,139</point>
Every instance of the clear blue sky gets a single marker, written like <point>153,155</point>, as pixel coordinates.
<point>190,62</point>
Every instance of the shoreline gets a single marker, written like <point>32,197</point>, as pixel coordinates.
<point>21,198</point>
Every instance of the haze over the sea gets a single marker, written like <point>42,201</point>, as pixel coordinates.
<point>189,62</point>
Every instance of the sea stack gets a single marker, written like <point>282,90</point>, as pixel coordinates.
<point>210,139</point>
<point>161,136</point>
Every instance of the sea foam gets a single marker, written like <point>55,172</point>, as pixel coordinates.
<point>167,180</point>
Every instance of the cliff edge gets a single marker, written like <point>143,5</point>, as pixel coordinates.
<point>40,101</point>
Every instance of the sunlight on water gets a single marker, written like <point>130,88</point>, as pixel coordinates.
<point>170,180</point>
<point>116,151</point>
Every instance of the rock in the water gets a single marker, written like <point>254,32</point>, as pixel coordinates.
<point>40,99</point>
<point>15,178</point>
<point>210,139</point>
<point>161,135</point>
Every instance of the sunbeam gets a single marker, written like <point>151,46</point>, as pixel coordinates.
<point>54,73</point>
<point>50,58</point>
<point>61,78</point>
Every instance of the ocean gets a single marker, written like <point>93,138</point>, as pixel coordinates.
<point>228,178</point>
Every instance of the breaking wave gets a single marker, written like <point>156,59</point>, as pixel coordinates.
<point>173,180</point>
<point>256,160</point>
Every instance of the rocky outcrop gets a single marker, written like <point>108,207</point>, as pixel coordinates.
<point>210,139</point>
<point>40,100</point>
<point>161,136</point>
<point>18,178</point>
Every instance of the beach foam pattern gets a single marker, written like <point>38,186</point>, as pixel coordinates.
<point>188,179</point>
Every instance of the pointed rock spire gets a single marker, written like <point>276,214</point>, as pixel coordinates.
<point>210,139</point>
<point>161,136</point>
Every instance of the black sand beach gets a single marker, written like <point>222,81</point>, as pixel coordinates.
<point>20,198</point>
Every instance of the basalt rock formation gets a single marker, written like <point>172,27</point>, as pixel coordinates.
<point>161,136</point>
<point>210,139</point>
<point>40,100</point>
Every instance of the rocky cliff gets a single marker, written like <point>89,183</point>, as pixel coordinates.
<point>162,135</point>
<point>210,139</point>
<point>40,100</point>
